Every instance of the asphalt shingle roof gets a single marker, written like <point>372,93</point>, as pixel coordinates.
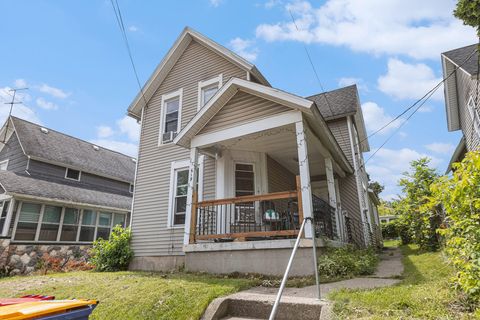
<point>64,149</point>
<point>20,183</point>
<point>342,101</point>
<point>460,55</point>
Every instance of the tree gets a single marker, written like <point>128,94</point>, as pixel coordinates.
<point>469,12</point>
<point>419,220</point>
<point>376,187</point>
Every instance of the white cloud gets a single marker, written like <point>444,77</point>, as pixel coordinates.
<point>409,81</point>
<point>272,3</point>
<point>19,110</point>
<point>215,3</point>
<point>425,108</point>
<point>129,126</point>
<point>375,118</point>
<point>104,131</point>
<point>348,81</point>
<point>54,92</point>
<point>374,26</point>
<point>244,48</point>
<point>388,165</point>
<point>441,148</point>
<point>47,105</point>
<point>20,83</point>
<point>127,148</point>
<point>133,28</point>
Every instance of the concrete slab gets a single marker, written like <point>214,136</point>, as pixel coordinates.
<point>390,265</point>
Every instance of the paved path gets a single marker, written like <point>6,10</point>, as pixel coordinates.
<point>389,268</point>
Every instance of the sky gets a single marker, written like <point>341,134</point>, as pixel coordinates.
<point>71,56</point>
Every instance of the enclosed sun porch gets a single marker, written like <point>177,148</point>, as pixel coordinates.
<point>275,164</point>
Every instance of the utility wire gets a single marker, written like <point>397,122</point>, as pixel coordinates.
<point>426,96</point>
<point>313,66</point>
<point>121,25</point>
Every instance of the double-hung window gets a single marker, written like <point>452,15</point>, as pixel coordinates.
<point>474,115</point>
<point>178,191</point>
<point>70,224</point>
<point>207,89</point>
<point>50,223</point>
<point>171,116</point>
<point>28,221</point>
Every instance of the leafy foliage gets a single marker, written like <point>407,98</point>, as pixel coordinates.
<point>418,221</point>
<point>376,187</point>
<point>347,261</point>
<point>469,12</point>
<point>460,196</point>
<point>113,254</point>
<point>390,230</point>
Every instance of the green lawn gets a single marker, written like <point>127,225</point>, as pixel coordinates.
<point>130,295</point>
<point>423,293</point>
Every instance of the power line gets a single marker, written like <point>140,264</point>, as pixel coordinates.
<point>313,66</point>
<point>121,25</point>
<point>426,96</point>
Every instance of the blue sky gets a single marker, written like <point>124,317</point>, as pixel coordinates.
<point>71,56</point>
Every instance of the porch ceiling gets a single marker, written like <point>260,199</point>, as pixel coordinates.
<point>280,144</point>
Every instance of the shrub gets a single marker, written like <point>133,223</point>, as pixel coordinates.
<point>460,196</point>
<point>113,254</point>
<point>347,262</point>
<point>390,230</point>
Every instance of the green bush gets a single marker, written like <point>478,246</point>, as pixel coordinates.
<point>390,230</point>
<point>460,196</point>
<point>346,262</point>
<point>113,254</point>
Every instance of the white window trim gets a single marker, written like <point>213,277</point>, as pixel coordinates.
<point>182,164</point>
<point>6,162</point>
<point>474,115</point>
<point>206,83</point>
<point>79,174</point>
<point>165,98</point>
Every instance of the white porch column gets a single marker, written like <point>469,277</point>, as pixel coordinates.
<point>192,188</point>
<point>332,194</point>
<point>304,170</point>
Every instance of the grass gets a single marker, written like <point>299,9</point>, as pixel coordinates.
<point>131,295</point>
<point>423,293</point>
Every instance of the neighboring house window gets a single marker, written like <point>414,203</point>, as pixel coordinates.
<point>171,116</point>
<point>48,223</point>
<point>207,89</point>
<point>72,174</point>
<point>474,115</point>
<point>131,188</point>
<point>178,191</point>
<point>4,165</point>
<point>3,214</point>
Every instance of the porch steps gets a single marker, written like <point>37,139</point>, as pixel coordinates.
<point>252,306</point>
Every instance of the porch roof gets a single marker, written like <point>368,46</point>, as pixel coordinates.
<point>306,107</point>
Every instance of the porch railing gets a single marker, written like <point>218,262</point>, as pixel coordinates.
<point>324,218</point>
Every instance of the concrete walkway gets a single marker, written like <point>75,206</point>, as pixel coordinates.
<point>298,300</point>
<point>389,269</point>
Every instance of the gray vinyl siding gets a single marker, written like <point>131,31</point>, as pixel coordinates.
<point>243,108</point>
<point>17,160</point>
<point>350,203</point>
<point>87,179</point>
<point>339,129</point>
<point>279,178</point>
<point>209,178</point>
<point>466,88</point>
<point>151,237</point>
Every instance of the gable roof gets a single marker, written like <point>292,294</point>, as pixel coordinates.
<point>227,91</point>
<point>20,184</point>
<point>167,63</point>
<point>459,56</point>
<point>64,150</point>
<point>341,103</point>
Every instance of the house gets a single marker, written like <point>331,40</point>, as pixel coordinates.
<point>57,193</point>
<point>229,166</point>
<point>388,218</point>
<point>461,101</point>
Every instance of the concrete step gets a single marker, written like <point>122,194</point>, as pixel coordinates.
<point>237,318</point>
<point>258,306</point>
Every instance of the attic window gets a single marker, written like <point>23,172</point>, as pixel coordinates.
<point>44,130</point>
<point>72,174</point>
